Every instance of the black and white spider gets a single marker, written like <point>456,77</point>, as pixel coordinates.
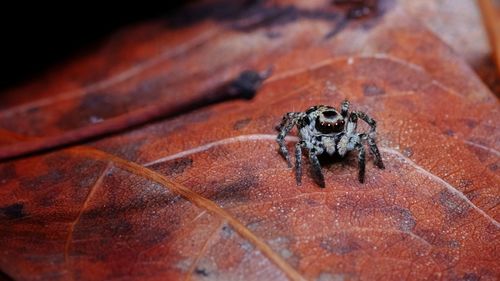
<point>322,129</point>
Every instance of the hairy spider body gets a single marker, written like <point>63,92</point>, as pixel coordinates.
<point>322,129</point>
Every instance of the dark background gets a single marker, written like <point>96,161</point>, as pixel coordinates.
<point>37,37</point>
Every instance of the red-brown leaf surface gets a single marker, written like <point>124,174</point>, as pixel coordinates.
<point>206,196</point>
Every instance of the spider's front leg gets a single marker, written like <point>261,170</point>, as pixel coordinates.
<point>344,108</point>
<point>371,138</point>
<point>361,162</point>
<point>349,139</point>
<point>289,120</point>
<point>352,140</point>
<point>298,162</point>
<point>316,168</point>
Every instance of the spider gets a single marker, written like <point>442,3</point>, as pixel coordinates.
<point>322,129</point>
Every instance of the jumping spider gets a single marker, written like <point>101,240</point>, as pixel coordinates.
<point>322,129</point>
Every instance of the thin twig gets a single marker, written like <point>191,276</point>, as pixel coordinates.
<point>491,15</point>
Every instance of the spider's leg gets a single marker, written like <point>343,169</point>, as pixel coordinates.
<point>371,138</point>
<point>376,153</point>
<point>347,142</point>
<point>372,123</point>
<point>289,120</point>
<point>344,108</point>
<point>352,124</point>
<point>316,168</point>
<point>361,162</point>
<point>298,162</point>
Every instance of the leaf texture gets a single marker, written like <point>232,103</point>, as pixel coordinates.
<point>206,196</point>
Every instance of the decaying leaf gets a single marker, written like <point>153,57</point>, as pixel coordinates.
<point>206,196</point>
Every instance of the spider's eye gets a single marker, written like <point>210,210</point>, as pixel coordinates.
<point>329,114</point>
<point>338,126</point>
<point>329,128</point>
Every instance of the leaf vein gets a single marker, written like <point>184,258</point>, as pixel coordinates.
<point>91,192</point>
<point>444,183</point>
<point>196,199</point>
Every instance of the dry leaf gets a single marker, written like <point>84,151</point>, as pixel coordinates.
<point>206,196</point>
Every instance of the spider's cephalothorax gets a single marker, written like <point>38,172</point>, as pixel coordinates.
<point>323,129</point>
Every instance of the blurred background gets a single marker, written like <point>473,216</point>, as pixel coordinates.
<point>38,37</point>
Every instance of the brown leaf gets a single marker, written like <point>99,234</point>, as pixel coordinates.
<point>207,196</point>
